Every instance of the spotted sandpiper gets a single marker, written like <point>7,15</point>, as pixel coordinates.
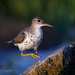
<point>30,37</point>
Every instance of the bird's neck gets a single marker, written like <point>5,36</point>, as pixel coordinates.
<point>37,29</point>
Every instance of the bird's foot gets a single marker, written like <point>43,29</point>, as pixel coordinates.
<point>31,54</point>
<point>34,55</point>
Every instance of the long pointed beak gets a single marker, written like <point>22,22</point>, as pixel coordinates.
<point>48,25</point>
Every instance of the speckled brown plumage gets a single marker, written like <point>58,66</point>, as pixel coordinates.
<point>30,37</point>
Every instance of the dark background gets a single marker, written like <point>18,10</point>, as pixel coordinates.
<point>15,15</point>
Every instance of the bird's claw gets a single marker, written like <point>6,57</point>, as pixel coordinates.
<point>35,56</point>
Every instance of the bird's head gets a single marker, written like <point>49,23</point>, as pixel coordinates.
<point>39,22</point>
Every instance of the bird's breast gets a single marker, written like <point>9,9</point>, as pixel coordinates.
<point>36,37</point>
<point>39,33</point>
<point>31,40</point>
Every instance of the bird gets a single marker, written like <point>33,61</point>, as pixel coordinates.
<point>30,37</point>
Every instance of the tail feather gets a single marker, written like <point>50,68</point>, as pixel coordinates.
<point>10,41</point>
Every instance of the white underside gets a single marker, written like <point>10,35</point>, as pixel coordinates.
<point>29,40</point>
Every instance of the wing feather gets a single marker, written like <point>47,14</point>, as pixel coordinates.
<point>19,38</point>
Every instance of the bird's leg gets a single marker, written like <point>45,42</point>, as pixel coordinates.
<point>36,52</point>
<point>34,59</point>
<point>31,54</point>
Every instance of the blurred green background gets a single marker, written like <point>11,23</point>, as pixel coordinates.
<point>15,15</point>
<point>55,10</point>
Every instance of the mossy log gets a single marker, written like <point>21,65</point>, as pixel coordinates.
<point>60,62</point>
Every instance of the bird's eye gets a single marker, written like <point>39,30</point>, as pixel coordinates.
<point>38,20</point>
